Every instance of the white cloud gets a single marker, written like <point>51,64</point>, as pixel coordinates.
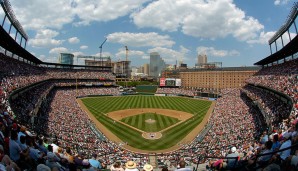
<point>211,51</point>
<point>45,38</point>
<point>121,54</point>
<point>40,14</point>
<point>104,54</point>
<point>51,59</point>
<point>58,50</point>
<point>170,55</point>
<point>104,10</point>
<point>42,57</point>
<point>73,40</point>
<point>78,53</point>
<point>281,2</point>
<point>263,38</point>
<point>205,19</point>
<point>83,47</point>
<point>150,39</point>
<point>146,57</point>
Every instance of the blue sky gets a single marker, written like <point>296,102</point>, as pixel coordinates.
<point>233,32</point>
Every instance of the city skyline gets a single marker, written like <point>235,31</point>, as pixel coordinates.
<point>235,33</point>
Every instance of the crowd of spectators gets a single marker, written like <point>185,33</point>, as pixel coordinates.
<point>16,74</point>
<point>274,108</point>
<point>236,125</point>
<point>235,122</point>
<point>282,77</point>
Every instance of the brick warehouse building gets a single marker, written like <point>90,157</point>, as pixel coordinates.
<point>212,79</point>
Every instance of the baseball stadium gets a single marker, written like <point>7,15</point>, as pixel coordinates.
<point>57,116</point>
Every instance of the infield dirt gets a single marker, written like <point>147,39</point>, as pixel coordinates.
<point>118,115</point>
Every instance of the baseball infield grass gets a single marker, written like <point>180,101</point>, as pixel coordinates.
<point>99,106</point>
<point>150,122</point>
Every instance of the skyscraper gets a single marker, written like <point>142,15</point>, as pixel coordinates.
<point>146,69</point>
<point>157,65</point>
<point>66,58</point>
<point>202,59</point>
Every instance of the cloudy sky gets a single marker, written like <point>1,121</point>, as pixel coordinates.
<point>233,32</point>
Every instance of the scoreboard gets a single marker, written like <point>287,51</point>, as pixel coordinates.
<point>169,82</point>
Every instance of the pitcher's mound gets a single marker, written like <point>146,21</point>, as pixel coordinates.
<point>150,121</point>
<point>152,135</point>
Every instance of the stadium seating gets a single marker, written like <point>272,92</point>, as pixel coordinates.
<point>230,123</point>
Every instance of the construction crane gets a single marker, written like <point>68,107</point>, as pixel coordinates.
<point>126,50</point>
<point>100,47</point>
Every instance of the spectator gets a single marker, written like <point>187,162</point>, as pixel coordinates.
<point>41,146</point>
<point>23,144</point>
<point>148,167</point>
<point>94,162</point>
<point>231,162</point>
<point>10,165</point>
<point>131,166</point>
<point>182,166</point>
<point>52,159</point>
<point>264,160</point>
<point>116,166</point>
<point>21,133</point>
<point>68,155</point>
<point>78,160</point>
<point>276,143</point>
<point>286,143</point>
<point>14,148</point>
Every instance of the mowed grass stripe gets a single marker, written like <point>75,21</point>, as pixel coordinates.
<point>140,123</point>
<point>133,120</point>
<point>167,121</point>
<point>132,137</point>
<point>159,124</point>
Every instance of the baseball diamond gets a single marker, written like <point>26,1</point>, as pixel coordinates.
<point>126,118</point>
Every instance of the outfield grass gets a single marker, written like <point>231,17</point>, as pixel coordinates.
<point>100,105</point>
<point>160,122</point>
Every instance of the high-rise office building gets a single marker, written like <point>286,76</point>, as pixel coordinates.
<point>157,65</point>
<point>146,69</point>
<point>202,59</point>
<point>66,58</point>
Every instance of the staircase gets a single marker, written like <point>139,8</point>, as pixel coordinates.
<point>153,161</point>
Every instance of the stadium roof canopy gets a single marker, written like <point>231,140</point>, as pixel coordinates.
<point>291,47</point>
<point>288,50</point>
<point>290,20</point>
<point>10,15</point>
<point>8,43</point>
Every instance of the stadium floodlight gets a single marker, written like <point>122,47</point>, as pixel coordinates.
<point>291,18</point>
<point>10,14</point>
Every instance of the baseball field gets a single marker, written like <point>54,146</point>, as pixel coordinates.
<point>147,123</point>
